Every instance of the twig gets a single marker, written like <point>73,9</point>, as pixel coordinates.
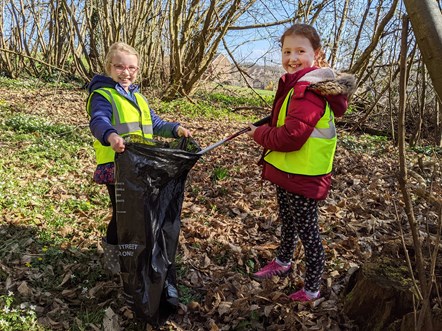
<point>34,59</point>
<point>242,72</point>
<point>407,256</point>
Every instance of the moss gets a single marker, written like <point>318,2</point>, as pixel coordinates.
<point>390,270</point>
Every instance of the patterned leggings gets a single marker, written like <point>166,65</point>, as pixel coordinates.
<point>299,217</point>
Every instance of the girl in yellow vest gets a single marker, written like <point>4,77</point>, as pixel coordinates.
<point>116,109</point>
<point>299,146</point>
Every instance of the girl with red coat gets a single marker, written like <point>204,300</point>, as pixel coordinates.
<point>299,146</point>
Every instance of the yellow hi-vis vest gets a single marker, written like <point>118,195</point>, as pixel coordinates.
<point>127,118</point>
<point>316,156</point>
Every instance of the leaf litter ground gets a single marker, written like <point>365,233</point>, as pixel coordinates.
<point>229,230</point>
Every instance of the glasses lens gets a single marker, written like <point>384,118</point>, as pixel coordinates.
<point>120,68</point>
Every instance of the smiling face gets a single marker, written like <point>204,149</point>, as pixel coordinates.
<point>124,68</point>
<point>297,53</point>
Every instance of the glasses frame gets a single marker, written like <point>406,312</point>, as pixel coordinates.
<point>123,68</point>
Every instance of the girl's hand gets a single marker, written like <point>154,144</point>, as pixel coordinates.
<point>116,142</point>
<point>251,132</point>
<point>183,132</point>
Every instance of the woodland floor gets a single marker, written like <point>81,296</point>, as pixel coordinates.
<point>229,229</point>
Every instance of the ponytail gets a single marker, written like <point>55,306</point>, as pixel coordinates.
<point>320,60</point>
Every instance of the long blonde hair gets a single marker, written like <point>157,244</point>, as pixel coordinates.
<point>115,48</point>
<point>309,32</point>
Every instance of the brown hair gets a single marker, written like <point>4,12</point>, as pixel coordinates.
<point>115,48</point>
<point>309,32</point>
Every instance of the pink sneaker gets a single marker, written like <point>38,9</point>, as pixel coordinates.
<point>301,296</point>
<point>271,269</point>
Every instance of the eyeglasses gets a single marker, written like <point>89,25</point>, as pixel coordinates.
<point>120,68</point>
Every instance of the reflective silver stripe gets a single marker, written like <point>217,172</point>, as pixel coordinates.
<point>147,129</point>
<point>327,133</point>
<point>114,109</point>
<point>124,128</point>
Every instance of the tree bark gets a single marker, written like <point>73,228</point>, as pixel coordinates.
<point>378,294</point>
<point>426,20</point>
<point>438,115</point>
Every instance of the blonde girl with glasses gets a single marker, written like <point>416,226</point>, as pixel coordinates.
<point>117,108</point>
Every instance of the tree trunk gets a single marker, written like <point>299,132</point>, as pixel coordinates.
<point>194,36</point>
<point>338,36</point>
<point>438,121</point>
<point>416,136</point>
<point>426,20</point>
<point>424,316</point>
<point>379,294</point>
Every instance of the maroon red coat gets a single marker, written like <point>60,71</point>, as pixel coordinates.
<point>312,88</point>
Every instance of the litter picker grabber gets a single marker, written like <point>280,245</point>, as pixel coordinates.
<point>209,148</point>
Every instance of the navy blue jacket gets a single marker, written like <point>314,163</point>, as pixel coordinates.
<point>101,111</point>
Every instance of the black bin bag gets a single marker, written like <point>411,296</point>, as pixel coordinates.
<point>150,181</point>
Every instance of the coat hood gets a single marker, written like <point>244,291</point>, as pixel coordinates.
<point>99,81</point>
<point>335,87</point>
<point>325,81</point>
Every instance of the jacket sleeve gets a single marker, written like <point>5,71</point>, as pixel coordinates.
<point>163,128</point>
<point>100,123</point>
<point>304,111</point>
